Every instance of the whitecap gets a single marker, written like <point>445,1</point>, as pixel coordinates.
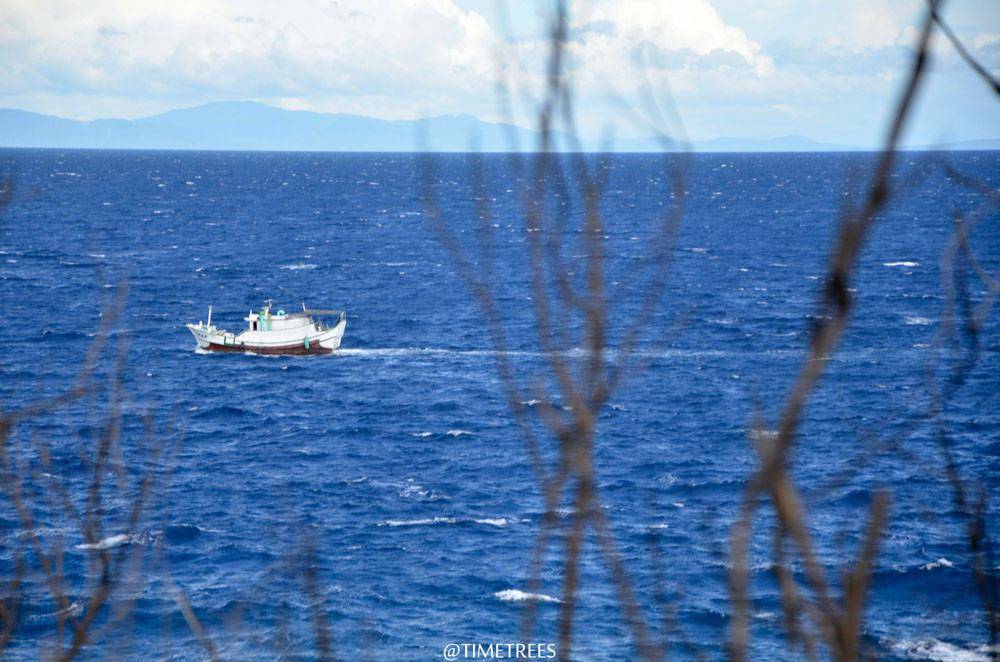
<point>72,609</point>
<point>458,433</point>
<point>421,434</point>
<point>940,563</point>
<point>901,263</point>
<point>514,595</point>
<point>297,267</point>
<point>115,541</point>
<point>413,490</point>
<point>941,651</point>
<point>419,522</point>
<point>498,521</point>
<point>915,320</point>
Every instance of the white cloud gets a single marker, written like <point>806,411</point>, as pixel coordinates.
<point>691,27</point>
<point>872,26</point>
<point>407,56</point>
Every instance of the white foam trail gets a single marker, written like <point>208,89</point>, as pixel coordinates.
<point>514,595</point>
<point>610,354</point>
<point>431,521</point>
<point>941,651</point>
<point>425,351</point>
<point>901,263</point>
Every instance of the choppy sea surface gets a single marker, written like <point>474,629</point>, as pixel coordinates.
<point>397,458</point>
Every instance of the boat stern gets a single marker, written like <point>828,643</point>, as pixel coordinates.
<point>330,339</point>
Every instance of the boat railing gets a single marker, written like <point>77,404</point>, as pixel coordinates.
<point>322,313</point>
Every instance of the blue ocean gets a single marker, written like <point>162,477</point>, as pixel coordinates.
<point>390,481</point>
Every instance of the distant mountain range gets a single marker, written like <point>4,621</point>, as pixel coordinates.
<point>245,125</point>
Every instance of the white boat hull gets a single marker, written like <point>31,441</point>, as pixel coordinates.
<point>301,340</point>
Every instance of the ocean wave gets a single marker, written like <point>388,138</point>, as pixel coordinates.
<point>458,433</point>
<point>177,533</point>
<point>222,411</point>
<point>514,595</point>
<point>941,651</point>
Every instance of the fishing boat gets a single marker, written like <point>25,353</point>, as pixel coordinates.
<point>306,332</point>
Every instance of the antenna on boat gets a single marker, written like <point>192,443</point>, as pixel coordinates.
<point>210,316</point>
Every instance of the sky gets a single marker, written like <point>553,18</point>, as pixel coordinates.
<point>697,69</point>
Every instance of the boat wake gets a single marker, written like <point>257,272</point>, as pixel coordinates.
<point>576,352</point>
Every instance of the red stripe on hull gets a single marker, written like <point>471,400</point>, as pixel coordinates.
<point>294,350</point>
